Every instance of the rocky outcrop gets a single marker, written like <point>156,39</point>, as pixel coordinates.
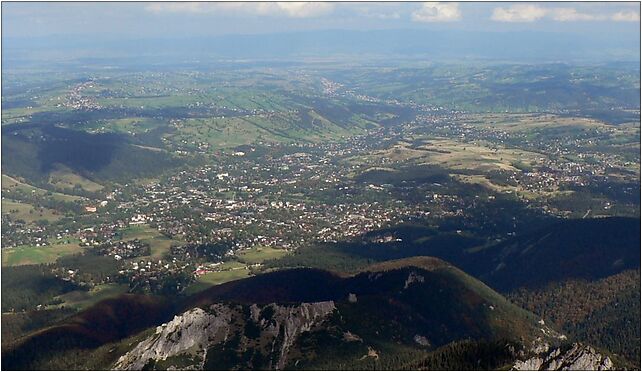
<point>189,336</point>
<point>296,320</point>
<point>421,340</point>
<point>413,277</point>
<point>189,333</point>
<point>577,357</point>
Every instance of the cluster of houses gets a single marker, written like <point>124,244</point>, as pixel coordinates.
<point>156,276</point>
<point>77,101</point>
<point>124,249</point>
<point>17,233</point>
<point>278,202</point>
<point>290,198</point>
<point>100,234</point>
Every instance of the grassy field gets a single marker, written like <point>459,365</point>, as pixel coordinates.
<point>159,244</point>
<point>592,136</point>
<point>452,154</point>
<point>29,255</point>
<point>236,269</point>
<point>150,102</point>
<point>478,157</point>
<point>518,190</point>
<point>27,212</point>
<point>64,178</point>
<point>83,299</point>
<point>260,254</point>
<point>483,181</point>
<point>129,125</point>
<point>23,114</point>
<point>227,272</point>
<point>10,183</point>
<point>244,96</point>
<point>530,122</point>
<point>282,127</point>
<point>225,275</point>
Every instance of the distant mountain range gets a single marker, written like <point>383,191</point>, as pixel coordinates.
<point>428,45</point>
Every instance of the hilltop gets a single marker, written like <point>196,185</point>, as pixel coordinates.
<point>409,307</point>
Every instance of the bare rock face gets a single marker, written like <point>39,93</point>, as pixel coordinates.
<point>191,332</point>
<point>576,358</point>
<point>291,321</point>
<point>421,340</point>
<point>183,343</point>
<point>413,277</point>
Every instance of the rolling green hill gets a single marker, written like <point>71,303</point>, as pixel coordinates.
<point>108,321</point>
<point>515,88</point>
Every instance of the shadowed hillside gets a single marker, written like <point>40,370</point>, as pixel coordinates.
<point>108,321</point>
<point>562,249</point>
<point>570,249</point>
<point>34,151</point>
<point>417,304</point>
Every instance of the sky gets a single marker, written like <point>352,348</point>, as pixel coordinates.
<point>177,32</point>
<point>174,19</point>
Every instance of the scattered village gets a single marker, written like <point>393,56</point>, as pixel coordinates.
<point>286,197</point>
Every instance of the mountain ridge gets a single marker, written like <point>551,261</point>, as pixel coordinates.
<point>418,304</point>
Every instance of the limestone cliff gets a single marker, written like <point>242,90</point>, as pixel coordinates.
<point>184,342</point>
<point>577,357</point>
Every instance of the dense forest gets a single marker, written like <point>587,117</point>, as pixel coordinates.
<point>604,313</point>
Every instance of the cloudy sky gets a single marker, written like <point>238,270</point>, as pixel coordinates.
<point>162,19</point>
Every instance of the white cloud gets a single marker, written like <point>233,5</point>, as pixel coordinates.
<point>519,13</point>
<point>378,11</point>
<point>437,12</point>
<point>393,15</point>
<point>305,9</point>
<point>530,13</point>
<point>287,9</point>
<point>626,17</point>
<point>571,14</point>
<point>428,12</point>
<point>183,7</point>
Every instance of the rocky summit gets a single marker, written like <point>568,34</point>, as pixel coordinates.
<point>186,340</point>
<point>576,357</point>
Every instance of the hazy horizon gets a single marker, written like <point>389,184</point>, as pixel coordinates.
<point>516,32</point>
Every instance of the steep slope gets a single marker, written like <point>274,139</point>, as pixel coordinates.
<point>409,283</point>
<point>407,307</point>
<point>213,339</point>
<point>560,250</point>
<point>36,152</point>
<point>395,311</point>
<point>413,313</point>
<point>571,249</point>
<point>606,315</point>
<point>108,321</point>
<point>575,357</point>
